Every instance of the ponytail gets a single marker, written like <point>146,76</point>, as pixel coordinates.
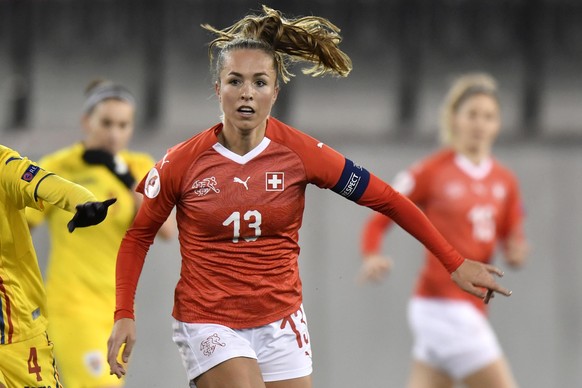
<point>309,39</point>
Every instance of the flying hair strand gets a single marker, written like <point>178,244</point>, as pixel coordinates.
<point>309,39</point>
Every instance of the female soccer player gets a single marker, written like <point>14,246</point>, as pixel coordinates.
<point>474,202</point>
<point>81,293</point>
<point>239,192</point>
<point>26,358</point>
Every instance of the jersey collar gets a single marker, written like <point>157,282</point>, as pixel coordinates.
<point>475,171</point>
<point>244,159</point>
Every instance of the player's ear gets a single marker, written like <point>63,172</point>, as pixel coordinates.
<point>217,91</point>
<point>275,94</point>
<point>85,123</point>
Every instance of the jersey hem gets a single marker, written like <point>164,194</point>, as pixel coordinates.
<point>239,325</point>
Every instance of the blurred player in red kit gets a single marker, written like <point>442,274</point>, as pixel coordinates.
<point>239,189</point>
<point>475,203</point>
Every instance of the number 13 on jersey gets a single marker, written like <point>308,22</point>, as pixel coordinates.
<point>254,219</point>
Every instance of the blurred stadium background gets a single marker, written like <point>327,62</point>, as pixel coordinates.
<point>385,115</point>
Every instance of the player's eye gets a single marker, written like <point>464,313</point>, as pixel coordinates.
<point>107,123</point>
<point>234,82</point>
<point>490,116</point>
<point>472,114</point>
<point>261,83</point>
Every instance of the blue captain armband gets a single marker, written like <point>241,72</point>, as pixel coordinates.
<point>353,181</point>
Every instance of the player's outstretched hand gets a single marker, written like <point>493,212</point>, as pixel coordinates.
<point>477,279</point>
<point>123,333</point>
<point>90,213</point>
<point>375,268</point>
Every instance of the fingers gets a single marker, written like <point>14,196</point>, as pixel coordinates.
<point>127,350</point>
<point>72,224</point>
<point>494,269</point>
<point>499,289</point>
<point>374,271</point>
<point>492,285</point>
<point>118,370</point>
<point>488,296</point>
<point>115,367</point>
<point>476,278</point>
<point>477,291</point>
<point>109,202</point>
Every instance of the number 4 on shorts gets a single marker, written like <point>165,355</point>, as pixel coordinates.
<point>33,367</point>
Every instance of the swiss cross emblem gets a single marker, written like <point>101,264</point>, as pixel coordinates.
<point>275,181</point>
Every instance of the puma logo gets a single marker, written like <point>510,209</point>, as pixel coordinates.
<point>164,161</point>
<point>244,183</point>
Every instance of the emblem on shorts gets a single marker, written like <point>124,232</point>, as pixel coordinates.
<point>203,186</point>
<point>208,346</point>
<point>94,362</point>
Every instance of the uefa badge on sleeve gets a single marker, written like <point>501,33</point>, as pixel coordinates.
<point>274,181</point>
<point>152,185</point>
<point>30,173</point>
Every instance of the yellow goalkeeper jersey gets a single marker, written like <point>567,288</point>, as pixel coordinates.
<point>80,277</point>
<point>22,297</point>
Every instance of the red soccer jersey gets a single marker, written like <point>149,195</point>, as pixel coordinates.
<point>473,206</point>
<point>238,219</point>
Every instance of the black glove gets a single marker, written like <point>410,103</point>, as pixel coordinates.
<point>90,213</point>
<point>117,167</point>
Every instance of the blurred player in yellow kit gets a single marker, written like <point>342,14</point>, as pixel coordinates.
<point>26,358</point>
<point>81,293</point>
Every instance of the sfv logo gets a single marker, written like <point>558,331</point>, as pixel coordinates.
<point>244,183</point>
<point>203,186</point>
<point>274,181</point>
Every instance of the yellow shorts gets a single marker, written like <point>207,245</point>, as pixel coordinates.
<point>81,350</point>
<point>29,363</point>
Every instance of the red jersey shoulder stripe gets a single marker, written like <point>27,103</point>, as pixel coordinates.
<point>3,334</point>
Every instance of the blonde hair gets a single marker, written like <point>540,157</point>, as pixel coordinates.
<point>463,88</point>
<point>306,39</point>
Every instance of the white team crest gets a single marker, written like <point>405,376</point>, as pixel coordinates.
<point>208,346</point>
<point>152,184</point>
<point>94,362</point>
<point>204,186</point>
<point>499,191</point>
<point>274,181</point>
<point>454,190</point>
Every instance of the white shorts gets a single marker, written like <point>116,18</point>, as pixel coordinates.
<point>282,349</point>
<point>451,336</point>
